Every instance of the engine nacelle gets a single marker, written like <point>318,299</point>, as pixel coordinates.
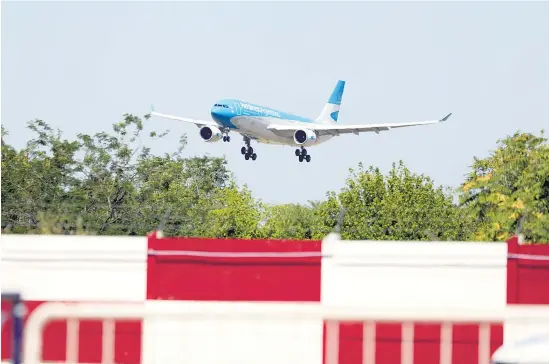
<point>305,137</point>
<point>210,133</point>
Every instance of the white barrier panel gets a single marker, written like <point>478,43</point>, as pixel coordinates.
<point>66,267</point>
<point>406,273</point>
<point>293,314</point>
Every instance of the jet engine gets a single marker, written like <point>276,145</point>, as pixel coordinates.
<point>210,133</point>
<point>305,137</point>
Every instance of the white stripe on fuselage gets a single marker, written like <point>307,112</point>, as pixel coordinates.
<point>256,126</point>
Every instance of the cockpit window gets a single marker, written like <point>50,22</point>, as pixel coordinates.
<point>222,105</point>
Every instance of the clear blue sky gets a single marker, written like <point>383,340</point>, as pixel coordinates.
<point>81,65</point>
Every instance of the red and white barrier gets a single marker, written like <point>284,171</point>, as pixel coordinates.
<point>289,317</point>
<point>164,273</point>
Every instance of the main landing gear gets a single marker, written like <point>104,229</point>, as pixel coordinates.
<point>248,151</point>
<point>302,154</point>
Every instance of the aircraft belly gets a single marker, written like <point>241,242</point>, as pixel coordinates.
<point>256,128</point>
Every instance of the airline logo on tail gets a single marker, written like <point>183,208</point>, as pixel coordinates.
<point>330,112</point>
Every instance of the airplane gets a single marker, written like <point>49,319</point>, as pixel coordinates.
<point>270,126</point>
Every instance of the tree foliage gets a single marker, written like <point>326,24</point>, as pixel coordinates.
<point>110,183</point>
<point>292,221</point>
<point>508,192</point>
<point>232,213</point>
<point>116,186</point>
<point>399,206</point>
<point>37,177</point>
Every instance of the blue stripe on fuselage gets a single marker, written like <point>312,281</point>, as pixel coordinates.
<point>233,108</point>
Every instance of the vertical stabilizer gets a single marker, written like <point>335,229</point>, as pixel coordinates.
<point>330,112</point>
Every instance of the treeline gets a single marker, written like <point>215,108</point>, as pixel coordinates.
<point>110,183</point>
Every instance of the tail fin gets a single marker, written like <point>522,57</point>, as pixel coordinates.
<point>331,110</point>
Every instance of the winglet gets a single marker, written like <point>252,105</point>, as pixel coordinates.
<point>152,108</point>
<point>446,117</point>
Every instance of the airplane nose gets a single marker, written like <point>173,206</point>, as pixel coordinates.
<point>220,114</point>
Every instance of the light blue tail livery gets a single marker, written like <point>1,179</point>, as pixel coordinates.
<point>337,94</point>
<point>330,112</point>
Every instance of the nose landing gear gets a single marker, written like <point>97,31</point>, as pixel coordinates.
<point>302,155</point>
<point>226,137</point>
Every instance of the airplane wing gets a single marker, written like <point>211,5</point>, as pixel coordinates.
<point>199,123</point>
<point>336,129</point>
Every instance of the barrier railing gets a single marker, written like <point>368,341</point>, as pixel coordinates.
<point>200,310</point>
<point>16,312</point>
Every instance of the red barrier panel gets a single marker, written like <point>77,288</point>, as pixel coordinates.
<point>172,276</point>
<point>426,343</point>
<point>527,273</point>
<point>127,340</point>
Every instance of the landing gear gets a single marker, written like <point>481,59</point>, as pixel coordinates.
<point>302,155</point>
<point>226,138</point>
<point>248,151</point>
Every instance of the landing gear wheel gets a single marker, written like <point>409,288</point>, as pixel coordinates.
<point>301,158</point>
<point>297,152</point>
<point>228,138</point>
<point>303,151</point>
<point>248,151</point>
<point>308,158</point>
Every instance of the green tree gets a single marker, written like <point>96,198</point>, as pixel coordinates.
<point>127,190</point>
<point>510,187</point>
<point>116,187</point>
<point>180,191</point>
<point>37,178</point>
<point>234,213</point>
<point>291,221</point>
<point>107,190</point>
<point>399,206</point>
